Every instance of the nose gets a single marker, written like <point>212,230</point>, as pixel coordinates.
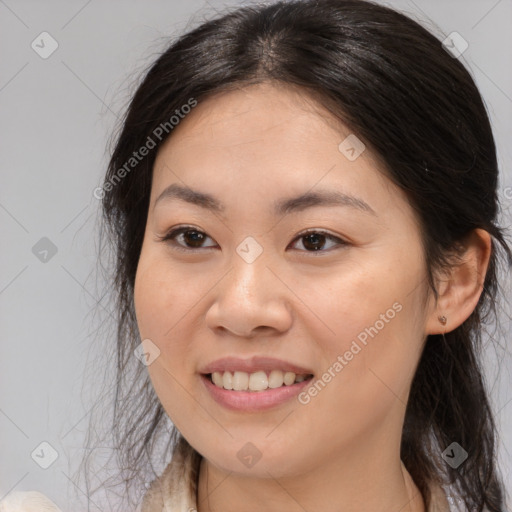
<point>250,299</point>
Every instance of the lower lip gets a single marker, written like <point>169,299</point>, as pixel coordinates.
<point>254,400</point>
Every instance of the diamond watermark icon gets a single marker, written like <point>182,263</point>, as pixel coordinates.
<point>44,455</point>
<point>146,352</point>
<point>455,45</point>
<point>249,250</point>
<point>351,147</point>
<point>455,455</point>
<point>44,250</point>
<point>249,455</point>
<point>44,45</point>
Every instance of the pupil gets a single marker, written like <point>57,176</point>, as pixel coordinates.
<point>315,238</point>
<point>197,238</point>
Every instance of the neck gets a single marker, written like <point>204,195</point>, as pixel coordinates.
<point>333,487</point>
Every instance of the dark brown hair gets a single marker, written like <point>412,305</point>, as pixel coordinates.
<point>391,82</point>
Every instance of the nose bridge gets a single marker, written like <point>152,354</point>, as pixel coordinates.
<point>249,296</point>
<point>249,268</point>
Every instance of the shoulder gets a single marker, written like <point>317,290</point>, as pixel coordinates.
<point>438,498</point>
<point>175,489</point>
<point>29,501</point>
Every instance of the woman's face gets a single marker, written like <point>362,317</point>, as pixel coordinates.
<point>345,303</point>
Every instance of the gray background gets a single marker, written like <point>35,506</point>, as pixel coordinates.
<point>56,116</point>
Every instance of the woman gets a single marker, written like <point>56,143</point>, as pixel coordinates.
<point>322,205</point>
<point>303,200</point>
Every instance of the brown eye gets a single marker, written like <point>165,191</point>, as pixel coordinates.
<point>194,238</point>
<point>315,240</point>
<point>186,238</point>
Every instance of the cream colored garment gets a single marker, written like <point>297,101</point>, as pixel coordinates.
<point>30,501</point>
<point>175,490</point>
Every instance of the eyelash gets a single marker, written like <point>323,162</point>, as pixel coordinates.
<point>172,234</point>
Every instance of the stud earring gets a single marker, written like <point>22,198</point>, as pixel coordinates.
<point>442,319</point>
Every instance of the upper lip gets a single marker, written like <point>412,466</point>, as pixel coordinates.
<point>254,364</point>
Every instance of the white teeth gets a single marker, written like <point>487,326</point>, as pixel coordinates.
<point>227,380</point>
<point>289,378</point>
<point>240,381</point>
<point>217,379</point>
<point>257,381</point>
<point>275,379</point>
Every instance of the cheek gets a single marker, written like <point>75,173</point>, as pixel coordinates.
<point>163,296</point>
<point>162,300</point>
<point>370,359</point>
<point>363,301</point>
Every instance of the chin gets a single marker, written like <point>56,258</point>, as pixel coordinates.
<point>258,459</point>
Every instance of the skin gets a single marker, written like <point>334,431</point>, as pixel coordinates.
<point>341,450</point>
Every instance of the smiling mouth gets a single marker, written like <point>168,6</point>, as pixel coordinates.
<point>256,381</point>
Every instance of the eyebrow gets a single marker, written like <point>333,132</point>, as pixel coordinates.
<point>281,207</point>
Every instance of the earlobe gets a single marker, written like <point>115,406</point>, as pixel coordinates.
<point>460,291</point>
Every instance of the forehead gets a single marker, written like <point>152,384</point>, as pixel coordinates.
<point>259,110</point>
<point>264,138</point>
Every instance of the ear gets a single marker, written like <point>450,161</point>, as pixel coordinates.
<point>462,285</point>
